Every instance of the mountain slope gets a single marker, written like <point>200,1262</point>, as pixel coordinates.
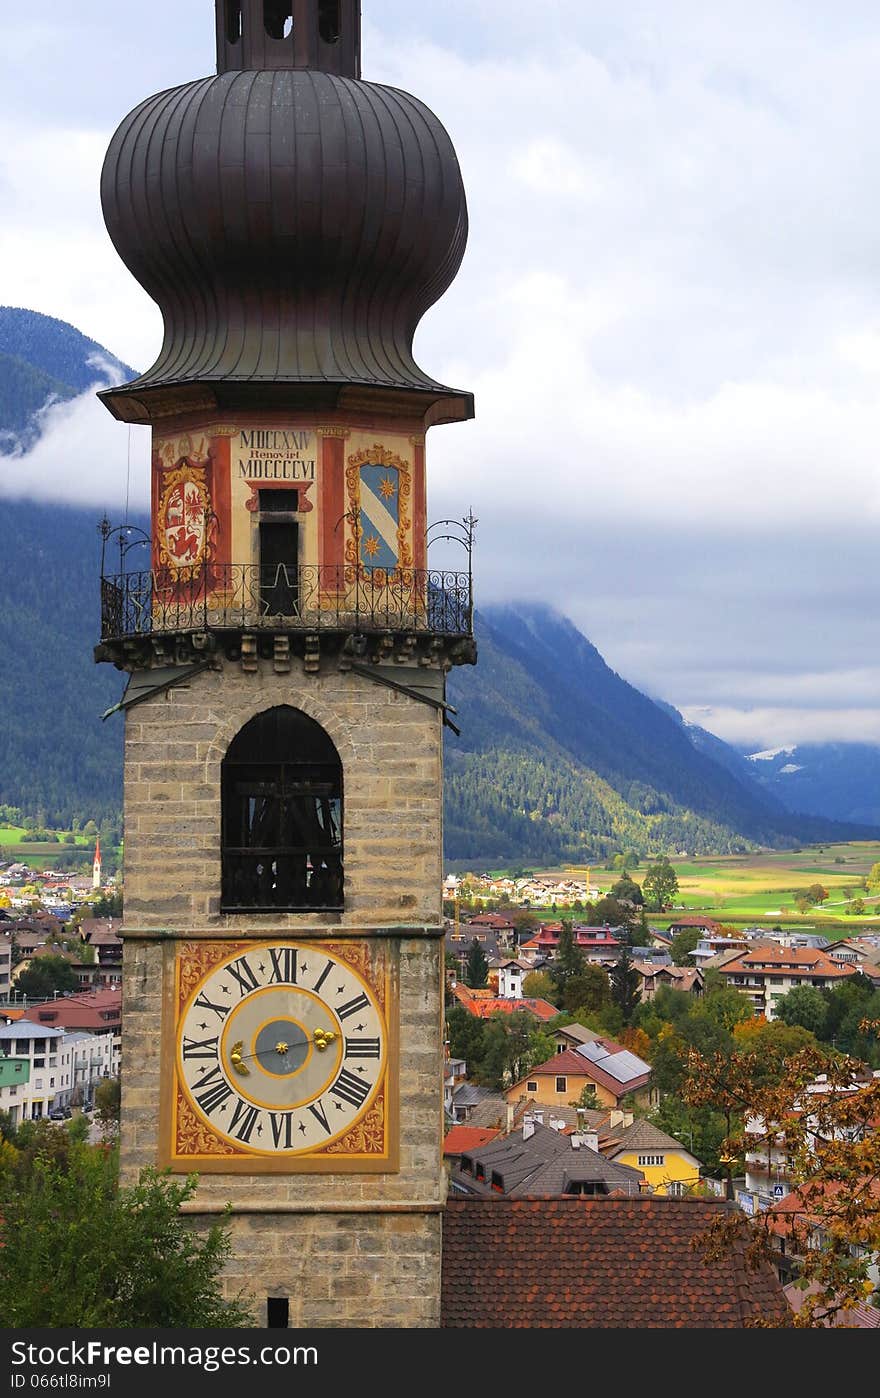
<point>840,780</point>
<point>55,754</point>
<point>561,758</point>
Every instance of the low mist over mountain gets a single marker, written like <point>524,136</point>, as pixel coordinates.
<point>559,758</point>
<point>43,360</point>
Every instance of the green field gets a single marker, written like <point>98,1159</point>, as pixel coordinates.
<point>761,888</point>
<point>17,848</point>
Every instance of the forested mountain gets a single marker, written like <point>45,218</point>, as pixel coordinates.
<point>56,757</point>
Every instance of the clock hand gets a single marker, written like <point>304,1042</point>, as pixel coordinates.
<point>322,1040</point>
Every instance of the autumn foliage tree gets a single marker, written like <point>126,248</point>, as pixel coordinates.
<point>820,1110</point>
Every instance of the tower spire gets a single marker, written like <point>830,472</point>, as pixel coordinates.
<point>272,34</point>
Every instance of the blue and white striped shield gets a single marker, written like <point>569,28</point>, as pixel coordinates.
<point>380,516</point>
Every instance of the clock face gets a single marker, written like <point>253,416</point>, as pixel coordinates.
<point>281,1054</point>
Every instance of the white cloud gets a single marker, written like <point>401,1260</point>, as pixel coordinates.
<point>669,312</point>
<point>745,727</point>
<point>83,457</point>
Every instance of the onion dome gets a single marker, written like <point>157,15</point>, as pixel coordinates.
<point>292,222</point>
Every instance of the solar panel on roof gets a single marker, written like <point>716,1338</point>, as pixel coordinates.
<point>594,1052</point>
<point>623,1066</point>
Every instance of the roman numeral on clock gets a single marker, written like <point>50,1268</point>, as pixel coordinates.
<point>323,976</point>
<point>247,1115</point>
<point>353,1006</point>
<point>282,1126</point>
<point>317,1111</point>
<point>213,1091</point>
<point>200,1048</point>
<point>363,1048</point>
<point>284,967</point>
<point>221,1011</point>
<point>241,972</point>
<point>351,1089</point>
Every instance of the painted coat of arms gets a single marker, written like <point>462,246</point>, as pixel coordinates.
<point>379,487</point>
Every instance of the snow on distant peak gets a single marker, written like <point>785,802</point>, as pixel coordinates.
<point>770,753</point>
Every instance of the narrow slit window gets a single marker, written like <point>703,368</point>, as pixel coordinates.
<point>233,21</point>
<point>328,21</point>
<point>278,18</point>
<point>277,1313</point>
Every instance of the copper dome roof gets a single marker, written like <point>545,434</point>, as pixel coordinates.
<point>293,226</point>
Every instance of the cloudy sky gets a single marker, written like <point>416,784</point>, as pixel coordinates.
<point>669,313</point>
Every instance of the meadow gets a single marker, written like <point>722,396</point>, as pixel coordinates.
<point>760,887</point>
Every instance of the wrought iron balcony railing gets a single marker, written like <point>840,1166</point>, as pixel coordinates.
<point>245,597</point>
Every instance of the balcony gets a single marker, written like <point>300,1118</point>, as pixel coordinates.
<point>208,606</point>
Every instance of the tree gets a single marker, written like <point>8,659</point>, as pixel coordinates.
<point>476,971</point>
<point>44,976</point>
<point>587,1100</point>
<point>683,943</point>
<point>539,985</point>
<point>873,879</point>
<point>806,1006</point>
<point>609,912</point>
<point>464,1033</point>
<point>117,1258</point>
<point>660,884</point>
<point>624,980</point>
<point>832,1151</point>
<point>512,1044</point>
<point>589,991</point>
<point>107,1102</point>
<point>569,960</point>
<point>817,893</point>
<point>628,889</point>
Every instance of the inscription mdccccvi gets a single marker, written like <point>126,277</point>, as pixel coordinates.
<point>276,454</point>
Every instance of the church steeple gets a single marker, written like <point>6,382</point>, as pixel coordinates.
<point>273,34</point>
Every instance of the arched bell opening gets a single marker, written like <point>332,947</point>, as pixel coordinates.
<point>282,811</point>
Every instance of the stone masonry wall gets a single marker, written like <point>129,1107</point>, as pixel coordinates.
<point>391,751</point>
<point>349,1250</point>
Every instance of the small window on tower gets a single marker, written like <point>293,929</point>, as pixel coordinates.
<point>328,21</point>
<point>233,21</point>
<point>278,18</point>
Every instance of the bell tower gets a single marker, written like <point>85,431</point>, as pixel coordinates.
<point>287,646</point>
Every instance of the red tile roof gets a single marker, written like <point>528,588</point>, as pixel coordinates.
<point>463,1138</point>
<point>773,961</point>
<point>593,1263</point>
<point>96,1009</point>
<point>571,1063</point>
<point>483,1003</point>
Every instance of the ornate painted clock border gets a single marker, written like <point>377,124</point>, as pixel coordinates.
<point>377,1134</point>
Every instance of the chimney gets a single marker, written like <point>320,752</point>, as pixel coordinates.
<point>528,1128</point>
<point>510,1116</point>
